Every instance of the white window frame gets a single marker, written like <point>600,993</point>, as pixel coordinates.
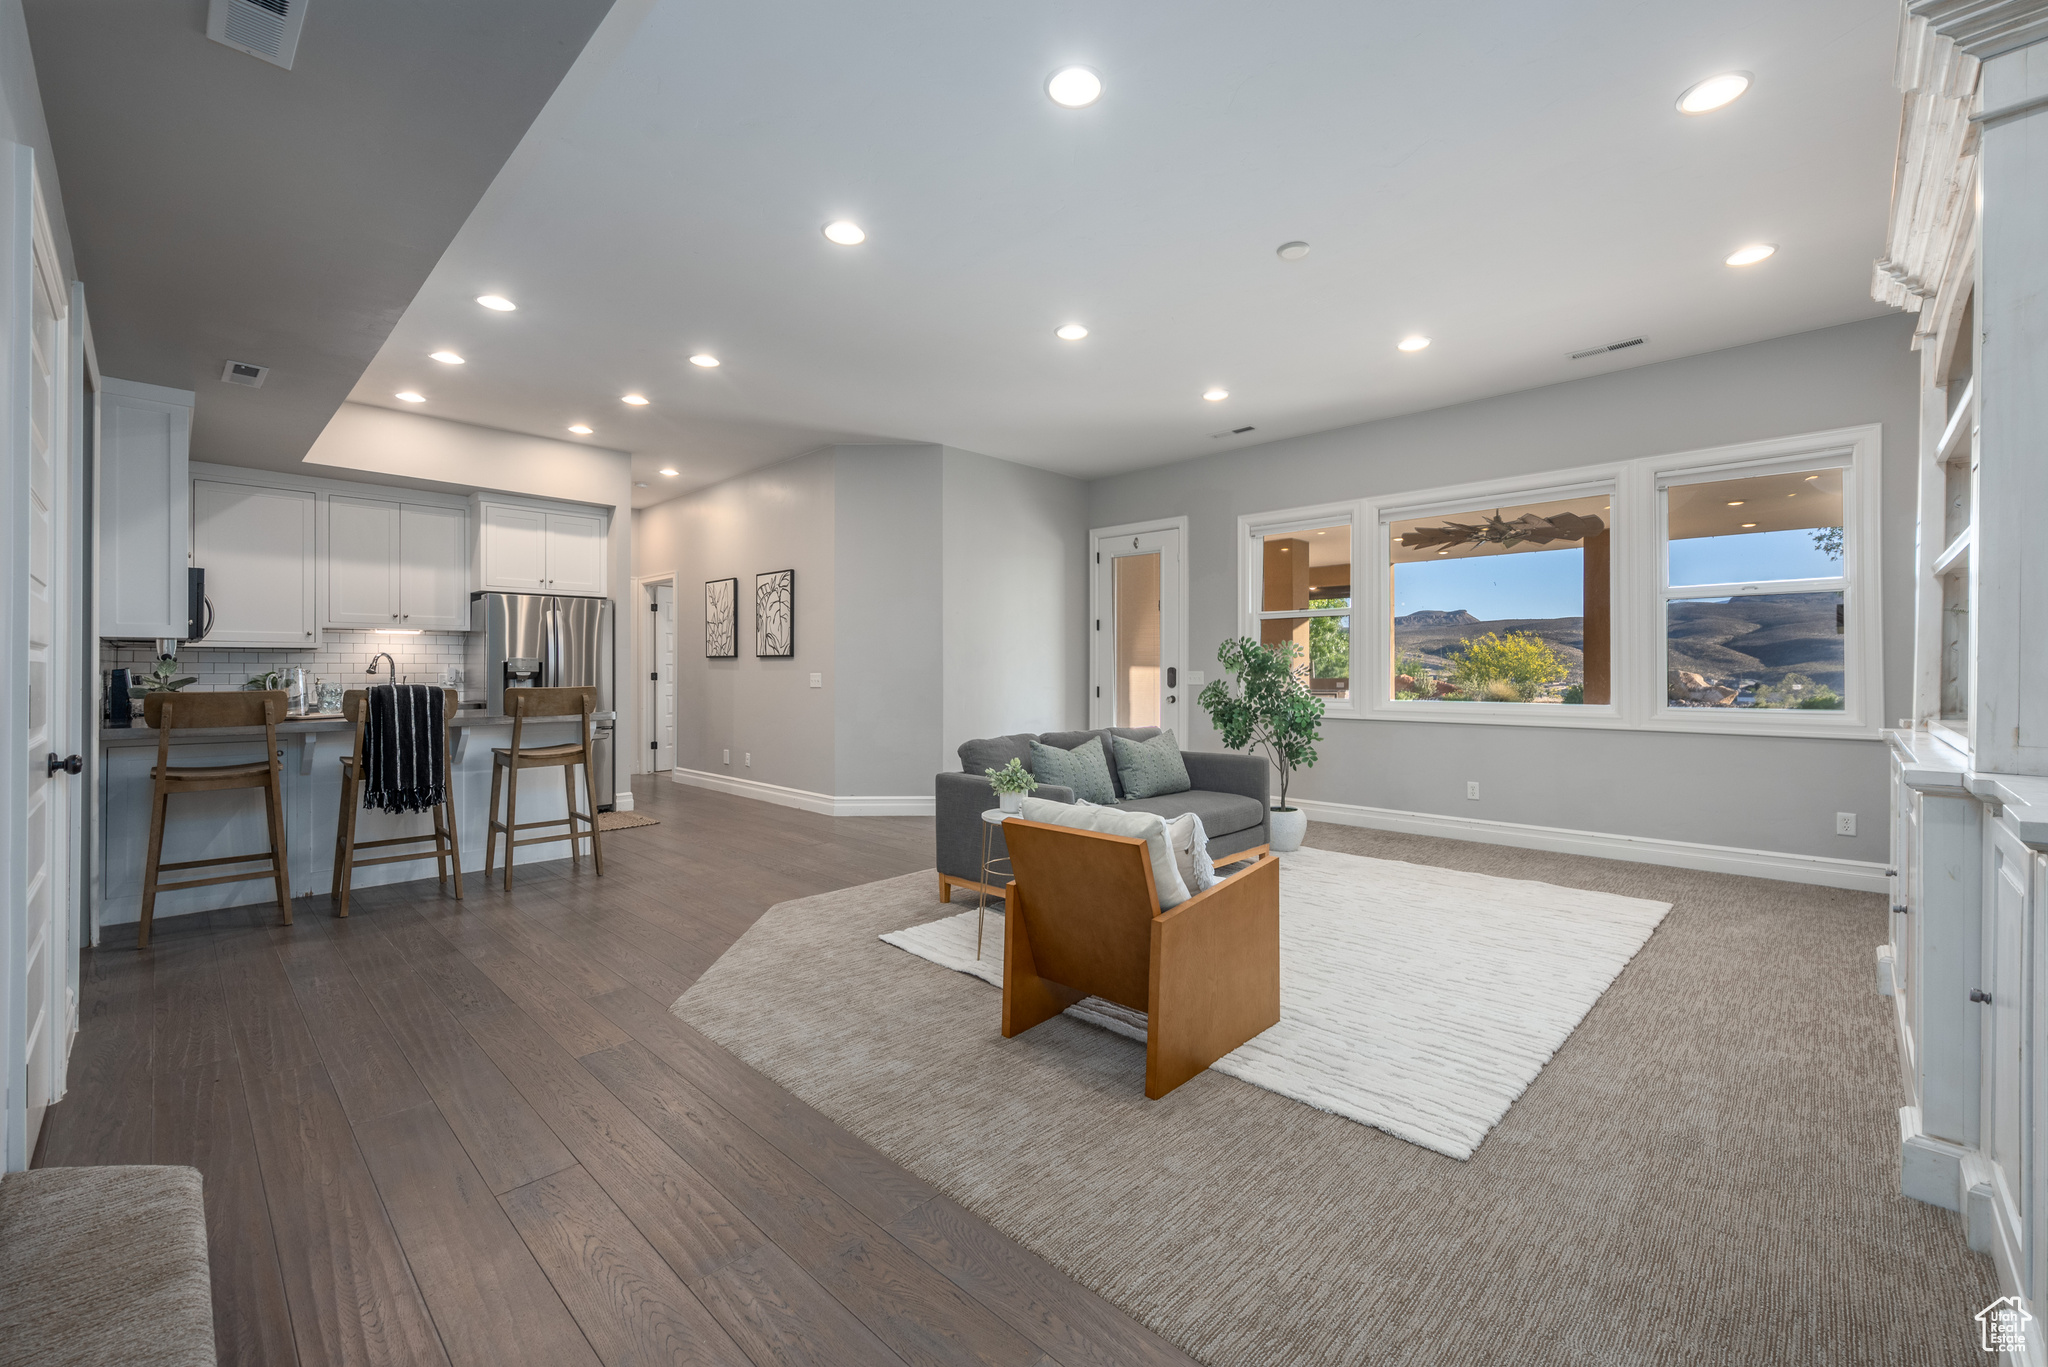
<point>1251,562</point>
<point>1638,563</point>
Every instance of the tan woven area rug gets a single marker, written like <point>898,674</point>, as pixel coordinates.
<point>624,821</point>
<point>1706,1172</point>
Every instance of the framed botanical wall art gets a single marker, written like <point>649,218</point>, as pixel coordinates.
<point>721,619</point>
<point>775,614</point>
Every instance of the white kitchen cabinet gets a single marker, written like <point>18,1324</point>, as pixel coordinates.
<point>258,548</point>
<point>515,554</point>
<point>433,567</point>
<point>526,550</point>
<point>145,510</point>
<point>575,553</point>
<point>362,562</point>
<point>396,566</point>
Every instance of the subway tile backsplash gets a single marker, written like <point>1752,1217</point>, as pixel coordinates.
<point>430,657</point>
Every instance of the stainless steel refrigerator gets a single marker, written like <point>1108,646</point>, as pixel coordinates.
<point>544,640</point>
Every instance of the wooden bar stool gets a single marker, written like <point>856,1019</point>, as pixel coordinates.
<point>168,712</point>
<point>447,846</point>
<point>521,703</point>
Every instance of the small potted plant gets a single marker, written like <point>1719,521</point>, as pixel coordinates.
<point>162,679</point>
<point>1270,707</point>
<point>1011,782</point>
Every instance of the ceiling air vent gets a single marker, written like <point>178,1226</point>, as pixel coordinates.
<point>1603,350</point>
<point>262,28</point>
<point>241,372</point>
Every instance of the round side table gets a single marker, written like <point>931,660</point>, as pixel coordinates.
<point>990,819</point>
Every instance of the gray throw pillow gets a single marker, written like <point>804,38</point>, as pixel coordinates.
<point>1151,768</point>
<point>1085,770</point>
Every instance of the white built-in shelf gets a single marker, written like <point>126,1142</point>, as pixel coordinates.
<point>1957,552</point>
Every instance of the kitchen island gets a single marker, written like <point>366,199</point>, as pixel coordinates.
<point>210,825</point>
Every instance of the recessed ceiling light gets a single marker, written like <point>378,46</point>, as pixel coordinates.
<point>496,301</point>
<point>409,397</point>
<point>579,429</point>
<point>640,484</point>
<point>1292,251</point>
<point>445,357</point>
<point>1750,255</point>
<point>845,232</point>
<point>1215,395</point>
<point>668,472</point>
<point>1416,343</point>
<point>1073,87</point>
<point>1749,524</point>
<point>1737,502</point>
<point>1715,92</point>
<point>705,359</point>
<point>1072,332</point>
<point>1813,476</point>
<point>637,400</point>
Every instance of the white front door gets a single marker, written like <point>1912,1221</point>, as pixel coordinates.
<point>1140,621</point>
<point>664,669</point>
<point>41,938</point>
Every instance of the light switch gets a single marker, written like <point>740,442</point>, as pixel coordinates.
<point>1194,678</point>
<point>817,680</point>
<point>728,756</point>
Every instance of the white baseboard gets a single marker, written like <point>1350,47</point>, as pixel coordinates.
<point>1854,874</point>
<point>824,804</point>
<point>623,802</point>
<point>1930,1169</point>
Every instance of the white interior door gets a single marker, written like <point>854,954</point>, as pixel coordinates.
<point>664,671</point>
<point>1140,627</point>
<point>42,938</point>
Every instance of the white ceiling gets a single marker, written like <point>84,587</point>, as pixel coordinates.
<point>1510,179</point>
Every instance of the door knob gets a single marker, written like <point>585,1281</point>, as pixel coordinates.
<point>73,765</point>
<point>1978,994</point>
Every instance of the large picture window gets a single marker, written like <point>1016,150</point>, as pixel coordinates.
<point>1503,604</point>
<point>1734,589</point>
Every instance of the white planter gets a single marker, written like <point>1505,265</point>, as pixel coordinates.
<point>1289,826</point>
<point>1010,802</point>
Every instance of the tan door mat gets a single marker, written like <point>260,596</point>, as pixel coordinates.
<point>624,821</point>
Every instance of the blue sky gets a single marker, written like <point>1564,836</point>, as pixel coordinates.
<point>1550,583</point>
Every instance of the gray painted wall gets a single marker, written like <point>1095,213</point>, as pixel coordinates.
<point>890,675</point>
<point>22,121</point>
<point>1743,791</point>
<point>773,519</point>
<point>1015,621</point>
<point>941,594</point>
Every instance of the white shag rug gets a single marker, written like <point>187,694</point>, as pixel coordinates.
<point>1418,1000</point>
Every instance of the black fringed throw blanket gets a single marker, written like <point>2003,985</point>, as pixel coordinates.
<point>403,745</point>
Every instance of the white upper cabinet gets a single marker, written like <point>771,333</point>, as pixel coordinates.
<point>145,511</point>
<point>575,553</point>
<point>258,548</point>
<point>515,551</point>
<point>398,566</point>
<point>433,567</point>
<point>362,562</point>
<point>526,550</point>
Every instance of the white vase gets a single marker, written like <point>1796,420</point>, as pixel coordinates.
<point>1010,802</point>
<point>1289,828</point>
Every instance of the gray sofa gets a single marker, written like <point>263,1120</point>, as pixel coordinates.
<point>1231,794</point>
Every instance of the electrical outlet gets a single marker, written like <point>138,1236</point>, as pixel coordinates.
<point>1845,823</point>
<point>750,759</point>
<point>817,680</point>
<point>728,757</point>
<point>1472,791</point>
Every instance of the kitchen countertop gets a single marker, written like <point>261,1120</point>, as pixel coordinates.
<point>316,724</point>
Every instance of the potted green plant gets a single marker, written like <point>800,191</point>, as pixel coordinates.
<point>162,679</point>
<point>1270,707</point>
<point>1011,782</point>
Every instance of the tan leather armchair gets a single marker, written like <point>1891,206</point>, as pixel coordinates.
<point>1084,921</point>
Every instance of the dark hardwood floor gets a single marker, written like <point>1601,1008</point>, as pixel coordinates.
<point>470,1132</point>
